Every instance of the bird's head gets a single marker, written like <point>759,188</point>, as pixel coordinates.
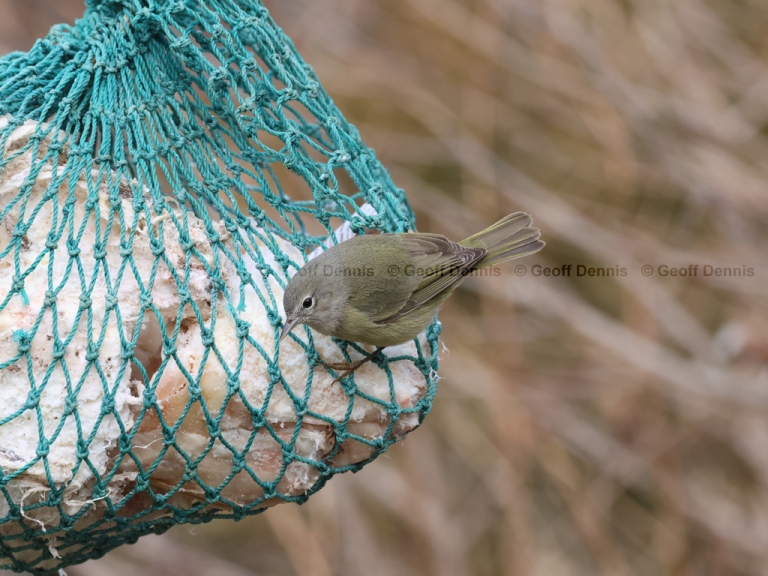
<point>314,299</point>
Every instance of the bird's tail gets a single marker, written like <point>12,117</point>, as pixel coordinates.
<point>511,237</point>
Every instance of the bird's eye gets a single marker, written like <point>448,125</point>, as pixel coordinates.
<point>308,302</point>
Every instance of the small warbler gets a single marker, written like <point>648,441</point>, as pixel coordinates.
<point>385,289</point>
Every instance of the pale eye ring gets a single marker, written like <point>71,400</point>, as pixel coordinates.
<point>308,303</point>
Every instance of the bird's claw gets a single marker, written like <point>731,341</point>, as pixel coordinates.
<point>342,366</point>
<point>350,367</point>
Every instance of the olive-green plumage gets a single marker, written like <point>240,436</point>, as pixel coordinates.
<point>385,289</point>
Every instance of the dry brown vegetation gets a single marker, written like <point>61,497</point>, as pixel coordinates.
<point>583,426</point>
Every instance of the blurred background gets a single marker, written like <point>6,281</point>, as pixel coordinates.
<point>583,425</point>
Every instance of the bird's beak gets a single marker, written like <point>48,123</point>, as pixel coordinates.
<point>288,326</point>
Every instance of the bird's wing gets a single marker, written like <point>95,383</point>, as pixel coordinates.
<point>438,263</point>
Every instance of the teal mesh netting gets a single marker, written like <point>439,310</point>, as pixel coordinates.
<point>166,167</point>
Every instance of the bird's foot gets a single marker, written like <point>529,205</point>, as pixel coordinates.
<point>343,366</point>
<point>350,367</point>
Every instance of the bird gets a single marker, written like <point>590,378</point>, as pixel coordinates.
<point>385,289</point>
